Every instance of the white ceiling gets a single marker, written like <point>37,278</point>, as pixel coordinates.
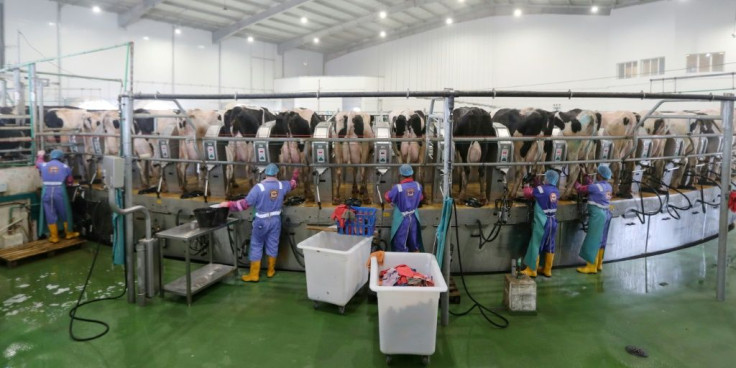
<point>342,26</point>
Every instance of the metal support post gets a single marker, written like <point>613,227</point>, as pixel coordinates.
<point>32,90</point>
<point>126,106</point>
<point>727,121</point>
<point>446,185</point>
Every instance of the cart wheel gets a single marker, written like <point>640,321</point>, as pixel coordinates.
<point>425,360</point>
<point>342,310</point>
<point>388,360</point>
<point>315,305</point>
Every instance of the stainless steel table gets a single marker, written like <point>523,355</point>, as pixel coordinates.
<point>194,282</point>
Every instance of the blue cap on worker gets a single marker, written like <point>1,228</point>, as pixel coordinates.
<point>552,177</point>
<point>604,171</point>
<point>56,154</point>
<point>272,170</point>
<point>406,170</point>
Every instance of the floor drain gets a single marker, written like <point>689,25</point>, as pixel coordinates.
<point>635,350</point>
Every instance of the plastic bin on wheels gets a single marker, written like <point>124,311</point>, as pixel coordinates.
<point>335,267</point>
<point>407,315</point>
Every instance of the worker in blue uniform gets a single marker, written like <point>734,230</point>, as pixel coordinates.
<point>267,197</point>
<point>544,225</point>
<point>405,198</point>
<point>599,217</point>
<point>55,176</point>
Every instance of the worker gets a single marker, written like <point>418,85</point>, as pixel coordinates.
<point>405,227</point>
<point>55,176</point>
<point>267,197</point>
<point>544,225</point>
<point>599,218</point>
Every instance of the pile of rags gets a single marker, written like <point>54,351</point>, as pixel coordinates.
<point>403,275</point>
<point>343,213</point>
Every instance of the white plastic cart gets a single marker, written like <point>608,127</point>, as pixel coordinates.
<point>335,267</point>
<point>407,315</point>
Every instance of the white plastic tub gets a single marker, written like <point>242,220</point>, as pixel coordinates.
<point>407,316</point>
<point>335,266</point>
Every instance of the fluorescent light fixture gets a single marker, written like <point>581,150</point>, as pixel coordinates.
<point>250,39</point>
<point>52,24</point>
<point>304,20</point>
<point>382,14</point>
<point>594,9</point>
<point>383,34</point>
<point>448,21</point>
<point>96,9</point>
<point>177,30</point>
<point>316,40</point>
<point>517,12</point>
<point>146,38</point>
<point>461,1</point>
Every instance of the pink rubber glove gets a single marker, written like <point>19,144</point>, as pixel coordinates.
<point>295,174</point>
<point>41,153</point>
<point>528,192</point>
<point>587,180</point>
<point>225,204</point>
<point>577,185</point>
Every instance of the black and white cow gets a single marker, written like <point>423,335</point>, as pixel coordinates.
<point>294,124</point>
<point>410,124</point>
<point>472,122</point>
<point>352,125</point>
<point>243,122</point>
<point>583,123</point>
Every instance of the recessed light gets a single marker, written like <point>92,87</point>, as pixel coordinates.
<point>52,24</point>
<point>448,21</point>
<point>707,55</point>
<point>382,14</point>
<point>177,31</point>
<point>461,1</point>
<point>594,9</point>
<point>383,34</point>
<point>517,12</point>
<point>250,39</point>
<point>146,38</point>
<point>304,20</point>
<point>96,9</point>
<point>316,40</point>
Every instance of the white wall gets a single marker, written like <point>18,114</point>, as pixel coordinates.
<point>551,52</point>
<point>241,67</point>
<point>329,84</point>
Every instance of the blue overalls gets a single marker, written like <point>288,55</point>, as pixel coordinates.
<point>54,175</point>
<point>599,196</point>
<point>405,226</point>
<point>267,197</point>
<point>544,225</point>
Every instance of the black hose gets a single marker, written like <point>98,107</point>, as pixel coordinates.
<point>483,309</point>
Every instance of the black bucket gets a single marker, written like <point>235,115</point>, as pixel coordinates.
<point>211,216</point>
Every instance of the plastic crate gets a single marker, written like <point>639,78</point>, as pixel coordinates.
<point>363,225</point>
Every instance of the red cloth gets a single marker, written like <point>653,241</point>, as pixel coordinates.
<point>732,201</point>
<point>337,214</point>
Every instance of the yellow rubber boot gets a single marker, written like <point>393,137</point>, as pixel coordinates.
<point>549,259</point>
<point>271,267</point>
<point>589,268</point>
<point>54,230</point>
<point>69,234</point>
<point>255,270</point>
<point>599,259</point>
<point>531,271</point>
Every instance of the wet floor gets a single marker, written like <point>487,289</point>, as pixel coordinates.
<point>663,304</point>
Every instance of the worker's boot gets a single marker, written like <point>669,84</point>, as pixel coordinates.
<point>69,234</point>
<point>546,270</point>
<point>271,267</point>
<point>531,271</point>
<point>599,259</point>
<point>255,270</point>
<point>590,268</point>
<point>54,230</point>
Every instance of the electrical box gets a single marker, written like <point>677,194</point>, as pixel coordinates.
<point>643,150</point>
<point>559,153</point>
<point>500,152</point>
<point>261,148</point>
<point>384,176</point>
<point>322,174</point>
<point>113,169</point>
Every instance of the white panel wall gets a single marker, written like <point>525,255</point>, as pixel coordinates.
<point>298,63</point>
<point>551,52</point>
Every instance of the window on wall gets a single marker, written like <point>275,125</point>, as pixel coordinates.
<point>653,66</point>
<point>706,62</point>
<point>627,70</point>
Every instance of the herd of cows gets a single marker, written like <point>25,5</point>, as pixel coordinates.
<point>244,121</point>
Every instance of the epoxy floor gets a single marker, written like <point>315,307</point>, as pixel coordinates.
<point>664,304</point>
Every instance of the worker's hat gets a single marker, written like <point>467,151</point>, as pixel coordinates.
<point>272,170</point>
<point>552,177</point>
<point>56,154</point>
<point>406,170</point>
<point>604,171</point>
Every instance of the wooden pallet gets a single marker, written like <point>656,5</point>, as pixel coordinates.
<point>11,256</point>
<point>454,292</point>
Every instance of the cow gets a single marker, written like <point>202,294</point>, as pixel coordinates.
<point>69,121</point>
<point>582,123</point>
<point>296,123</point>
<point>243,122</point>
<point>352,125</point>
<point>472,122</point>
<point>409,124</point>
<point>616,124</point>
<point>529,122</point>
<point>191,148</point>
<point>146,147</point>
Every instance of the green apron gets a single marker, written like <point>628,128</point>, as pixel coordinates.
<point>43,228</point>
<point>396,220</point>
<point>596,222</point>
<point>532,252</point>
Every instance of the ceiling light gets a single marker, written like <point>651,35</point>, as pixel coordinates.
<point>517,12</point>
<point>461,1</point>
<point>448,21</point>
<point>304,20</point>
<point>707,55</point>
<point>177,31</point>
<point>146,38</point>
<point>96,9</point>
<point>594,9</point>
<point>382,14</point>
<point>200,46</point>
<point>250,39</point>
<point>356,109</point>
<point>383,34</point>
<point>316,40</point>
<point>52,24</point>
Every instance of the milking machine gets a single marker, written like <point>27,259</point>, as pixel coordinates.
<point>98,149</point>
<point>692,173</point>
<point>215,182</point>
<point>76,158</point>
<point>713,163</point>
<point>321,174</point>
<point>558,154</point>
<point>168,149</point>
<point>501,152</point>
<point>643,151</point>
<point>262,149</point>
<point>672,148</point>
<point>384,177</point>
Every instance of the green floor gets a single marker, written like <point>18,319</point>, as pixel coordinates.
<point>664,304</point>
